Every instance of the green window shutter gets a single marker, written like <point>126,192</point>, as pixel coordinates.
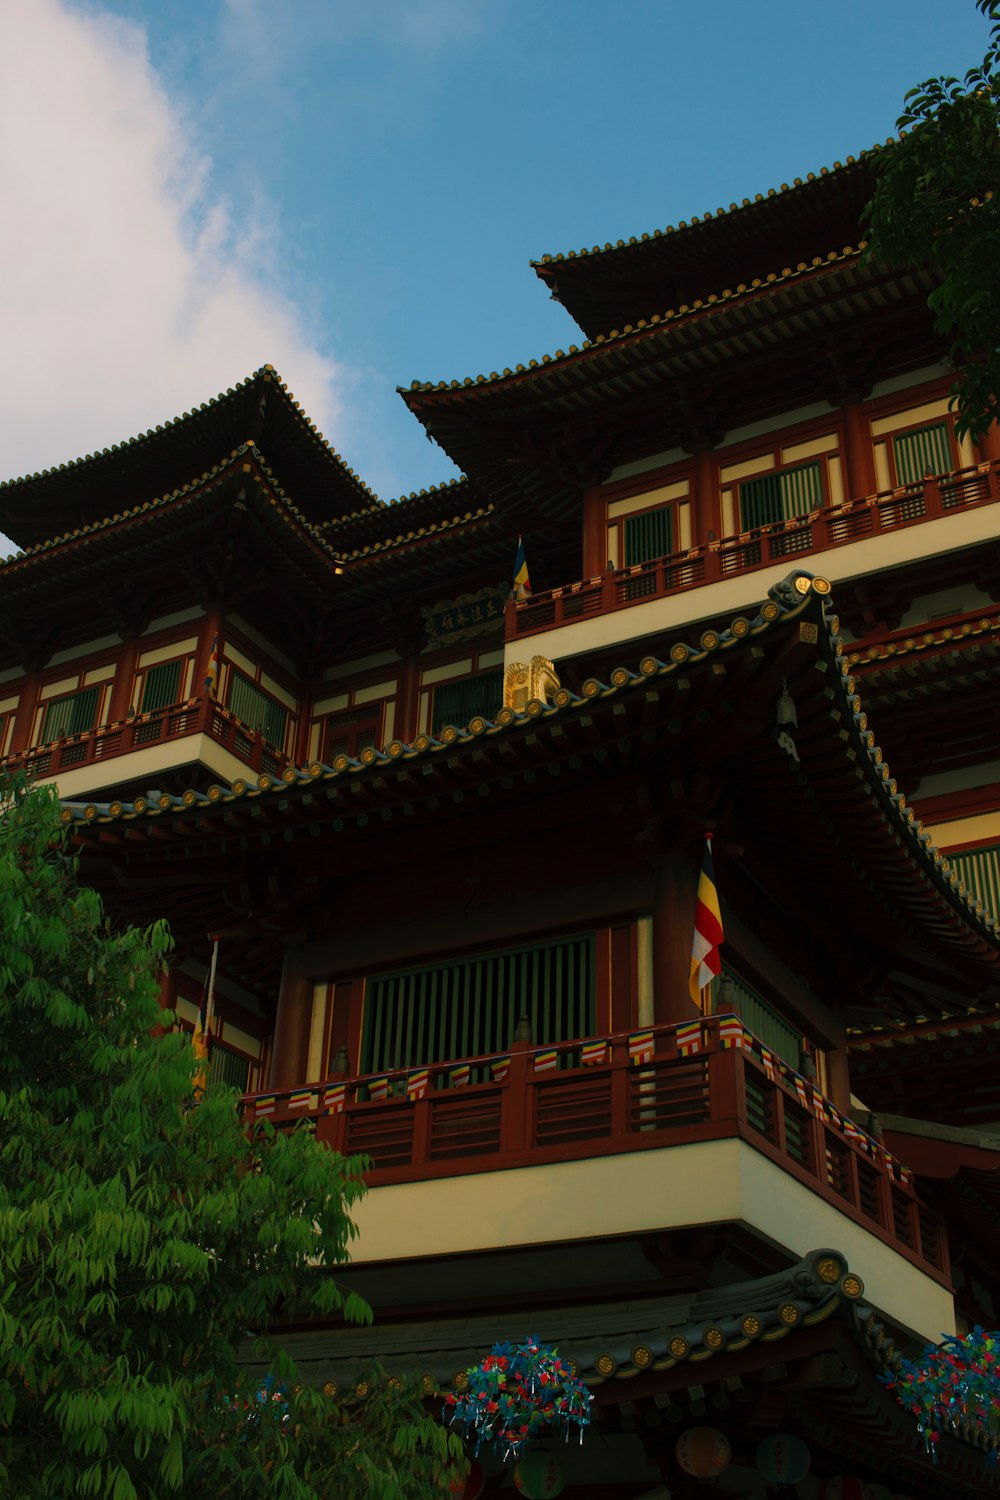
<point>228,1067</point>
<point>471,1006</point>
<point>648,536</point>
<point>256,710</point>
<point>925,451</point>
<point>979,869</point>
<point>350,733</point>
<point>71,715</point>
<point>767,1024</point>
<point>160,686</point>
<point>779,497</point>
<point>460,702</point>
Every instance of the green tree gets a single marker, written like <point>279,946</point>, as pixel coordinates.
<point>144,1239</point>
<point>937,202</point>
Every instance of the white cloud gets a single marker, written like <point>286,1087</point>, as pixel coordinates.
<point>128,293</point>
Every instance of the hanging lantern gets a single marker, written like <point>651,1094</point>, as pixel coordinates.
<point>703,1452</point>
<point>783,1459</point>
<point>843,1487</point>
<point>538,1475</point>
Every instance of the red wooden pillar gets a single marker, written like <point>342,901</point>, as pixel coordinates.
<point>121,687</point>
<point>210,633</point>
<point>595,532</point>
<point>673,926</point>
<point>838,1079</point>
<point>859,454</point>
<point>291,1029</point>
<point>20,737</point>
<point>407,699</point>
<point>706,500</point>
<point>300,749</point>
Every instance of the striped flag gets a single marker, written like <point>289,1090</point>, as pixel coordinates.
<point>767,1063</point>
<point>851,1131</point>
<point>546,1061</point>
<point>335,1097</point>
<point>460,1076</point>
<point>417,1083</point>
<point>300,1099</point>
<point>378,1088</point>
<point>499,1067</point>
<point>640,1047</point>
<point>819,1106</point>
<point>688,1038</point>
<point>202,1038</point>
<point>732,1033</point>
<point>265,1104</point>
<point>522,583</point>
<point>706,961</point>
<point>212,671</point>
<point>593,1053</point>
<point>800,1089</point>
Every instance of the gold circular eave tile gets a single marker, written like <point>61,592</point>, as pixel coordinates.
<point>789,1314</point>
<point>604,1364</point>
<point>461,1380</point>
<point>678,1347</point>
<point>714,1338</point>
<point>330,1390</point>
<point>828,1270</point>
<point>750,1325</point>
<point>642,1356</point>
<point>852,1286</point>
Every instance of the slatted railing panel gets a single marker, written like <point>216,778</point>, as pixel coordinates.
<point>464,1124</point>
<point>384,1133</point>
<point>837,1165</point>
<point>798,1136</point>
<point>571,1109</point>
<point>869,1192</point>
<point>666,1098</point>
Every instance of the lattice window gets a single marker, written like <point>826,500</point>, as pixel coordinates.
<point>459,702</point>
<point>350,732</point>
<point>926,450</point>
<point>253,707</point>
<point>161,686</point>
<point>767,1024</point>
<point>649,535</point>
<point>979,869</point>
<point>228,1067</point>
<point>71,715</point>
<point>781,496</point>
<point>471,1006</point>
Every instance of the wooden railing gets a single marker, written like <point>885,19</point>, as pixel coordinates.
<point>834,526</point>
<point>567,1111</point>
<point>175,722</point>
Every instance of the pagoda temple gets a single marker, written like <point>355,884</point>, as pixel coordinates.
<point>448,837</point>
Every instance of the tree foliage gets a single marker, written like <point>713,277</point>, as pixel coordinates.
<point>937,202</point>
<point>144,1239</point>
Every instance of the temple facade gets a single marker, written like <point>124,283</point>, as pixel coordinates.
<point>447,836</point>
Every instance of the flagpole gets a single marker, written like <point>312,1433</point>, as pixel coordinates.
<point>210,998</point>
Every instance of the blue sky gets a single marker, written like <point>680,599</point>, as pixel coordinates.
<point>353,191</point>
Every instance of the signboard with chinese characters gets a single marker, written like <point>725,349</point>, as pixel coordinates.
<point>469,615</point>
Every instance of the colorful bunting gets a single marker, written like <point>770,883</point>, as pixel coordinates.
<point>546,1061</point>
<point>592,1054</point>
<point>335,1097</point>
<point>378,1088</point>
<point>459,1076</point>
<point>688,1038</point>
<point>732,1033</point>
<point>499,1067</point>
<point>417,1083</point>
<point>640,1047</point>
<point>265,1104</point>
<point>300,1099</point>
<point>706,961</point>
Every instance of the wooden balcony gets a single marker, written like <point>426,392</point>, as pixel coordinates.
<point>569,1111</point>
<point>176,722</point>
<point>822,530</point>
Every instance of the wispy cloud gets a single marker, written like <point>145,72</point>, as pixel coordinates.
<point>128,289</point>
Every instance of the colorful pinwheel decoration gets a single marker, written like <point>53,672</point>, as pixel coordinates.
<point>954,1383</point>
<point>515,1394</point>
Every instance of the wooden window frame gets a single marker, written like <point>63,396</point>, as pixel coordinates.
<point>890,439</point>
<point>51,703</point>
<point>367,717</point>
<point>817,464</point>
<point>180,662</point>
<point>453,682</point>
<point>236,674</point>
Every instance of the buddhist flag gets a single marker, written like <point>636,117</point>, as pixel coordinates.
<point>767,1062</point>
<point>546,1061</point>
<point>499,1068</point>
<point>212,671</point>
<point>640,1047</point>
<point>732,1033</point>
<point>417,1083</point>
<point>300,1099</point>
<point>378,1088</point>
<point>706,962</point>
<point>592,1054</point>
<point>522,583</point>
<point>265,1104</point>
<point>460,1076</point>
<point>688,1037</point>
<point>335,1097</point>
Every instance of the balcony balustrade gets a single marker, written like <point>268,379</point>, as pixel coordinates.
<point>690,1089</point>
<point>821,530</point>
<point>175,722</point>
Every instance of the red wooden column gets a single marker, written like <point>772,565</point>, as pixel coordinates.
<point>674,892</point>
<point>706,500</point>
<point>838,1078</point>
<point>595,531</point>
<point>859,454</point>
<point>121,687</point>
<point>407,699</point>
<point>211,628</point>
<point>291,1028</point>
<point>20,737</point>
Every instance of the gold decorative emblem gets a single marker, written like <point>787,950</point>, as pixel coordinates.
<point>620,676</point>
<point>770,611</point>
<point>461,1380</point>
<point>853,1286</point>
<point>604,1364</point>
<point>714,1338</point>
<point>678,1347</point>
<point>330,1390</point>
<point>505,716</point>
<point>679,652</point>
<point>190,797</point>
<point>361,1389</point>
<point>789,1314</point>
<point>448,736</point>
<point>591,687</point>
<point>648,666</point>
<point>642,1356</point>
<point>809,632</point>
<point>393,1383</point>
<point>395,749</point>
<point>802,584</point>
<point>523,681</point>
<point>562,697</point>
<point>368,756</point>
<point>162,802</point>
<point>834,624</point>
<point>214,793</point>
<point>477,726</point>
<point>534,708</point>
<point>341,763</point>
<point>750,1325</point>
<point>428,1385</point>
<point>740,627</point>
<point>420,743</point>
<point>709,640</point>
<point>889,1352</point>
<point>140,802</point>
<point>821,585</point>
<point>828,1270</point>
<point>115,810</point>
<point>264,783</point>
<point>90,813</point>
<point>289,775</point>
